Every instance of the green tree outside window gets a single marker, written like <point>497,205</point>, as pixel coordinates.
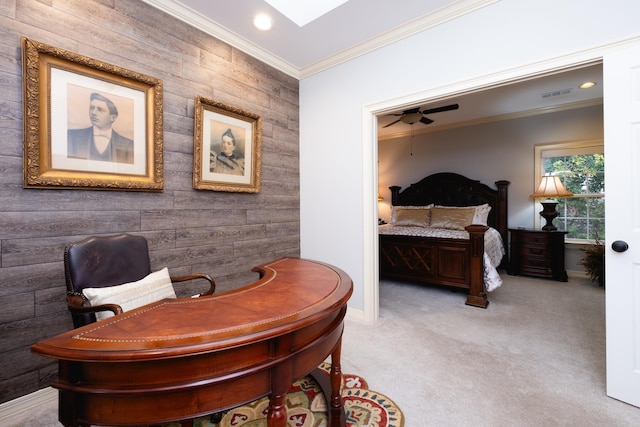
<point>582,215</point>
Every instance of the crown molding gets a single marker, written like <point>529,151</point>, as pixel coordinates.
<point>400,32</point>
<point>201,22</point>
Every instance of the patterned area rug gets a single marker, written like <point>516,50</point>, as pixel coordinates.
<point>307,407</point>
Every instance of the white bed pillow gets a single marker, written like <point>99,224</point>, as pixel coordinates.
<point>482,214</point>
<point>151,288</point>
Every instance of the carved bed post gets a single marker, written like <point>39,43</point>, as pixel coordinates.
<point>477,295</point>
<point>395,194</point>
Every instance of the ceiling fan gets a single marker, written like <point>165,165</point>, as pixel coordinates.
<point>414,115</point>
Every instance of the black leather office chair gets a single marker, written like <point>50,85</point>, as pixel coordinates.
<point>98,262</point>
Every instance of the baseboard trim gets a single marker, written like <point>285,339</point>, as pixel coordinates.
<point>27,403</point>
<point>577,274</point>
<point>353,314</point>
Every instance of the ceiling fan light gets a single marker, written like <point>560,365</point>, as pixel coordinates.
<point>411,118</point>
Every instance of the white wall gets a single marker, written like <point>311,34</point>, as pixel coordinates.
<point>504,40</point>
<point>487,152</point>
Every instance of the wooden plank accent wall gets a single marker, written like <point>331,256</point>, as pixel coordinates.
<point>223,234</point>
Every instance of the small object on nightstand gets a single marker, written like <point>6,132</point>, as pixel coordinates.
<point>537,253</point>
<point>381,221</point>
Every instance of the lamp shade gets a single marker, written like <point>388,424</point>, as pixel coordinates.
<point>550,187</point>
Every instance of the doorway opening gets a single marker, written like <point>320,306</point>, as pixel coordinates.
<point>408,140</point>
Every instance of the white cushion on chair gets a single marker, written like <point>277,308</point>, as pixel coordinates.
<point>151,288</point>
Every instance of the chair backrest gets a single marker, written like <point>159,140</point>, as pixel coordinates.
<point>98,262</point>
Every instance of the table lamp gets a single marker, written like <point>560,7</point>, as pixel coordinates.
<point>550,187</point>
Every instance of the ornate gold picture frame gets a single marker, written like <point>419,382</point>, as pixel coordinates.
<point>227,148</point>
<point>88,124</point>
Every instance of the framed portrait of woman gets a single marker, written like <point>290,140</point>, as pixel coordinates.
<point>227,148</point>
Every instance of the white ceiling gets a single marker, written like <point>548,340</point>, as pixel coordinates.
<point>359,26</point>
<point>545,94</point>
<point>349,30</point>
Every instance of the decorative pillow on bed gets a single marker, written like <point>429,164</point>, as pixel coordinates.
<point>451,218</point>
<point>413,217</point>
<point>480,215</point>
<point>151,288</point>
<point>395,209</point>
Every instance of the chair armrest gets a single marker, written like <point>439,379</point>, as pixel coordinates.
<point>76,304</point>
<point>212,283</point>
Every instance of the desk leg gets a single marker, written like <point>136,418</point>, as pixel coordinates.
<point>330,387</point>
<point>280,384</point>
<point>336,408</point>
<point>277,415</point>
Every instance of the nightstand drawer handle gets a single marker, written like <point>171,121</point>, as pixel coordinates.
<point>619,246</point>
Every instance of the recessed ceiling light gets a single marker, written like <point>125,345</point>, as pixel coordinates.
<point>262,22</point>
<point>587,85</point>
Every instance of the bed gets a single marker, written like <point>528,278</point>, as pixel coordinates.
<point>447,230</point>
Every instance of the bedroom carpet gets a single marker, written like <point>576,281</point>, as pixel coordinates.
<point>534,357</point>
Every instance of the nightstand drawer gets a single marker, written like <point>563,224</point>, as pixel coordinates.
<point>536,262</point>
<point>538,272</point>
<point>535,240</point>
<point>533,251</point>
<point>537,253</point>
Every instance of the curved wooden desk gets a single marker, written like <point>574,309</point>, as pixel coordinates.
<point>179,359</point>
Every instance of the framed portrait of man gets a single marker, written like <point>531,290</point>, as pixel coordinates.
<point>89,124</point>
<point>227,144</point>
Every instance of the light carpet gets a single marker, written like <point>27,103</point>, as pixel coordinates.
<point>534,357</point>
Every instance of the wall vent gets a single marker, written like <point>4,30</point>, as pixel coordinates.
<point>557,93</point>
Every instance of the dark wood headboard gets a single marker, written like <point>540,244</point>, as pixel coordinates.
<point>452,189</point>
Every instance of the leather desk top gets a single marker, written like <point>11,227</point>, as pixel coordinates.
<point>298,292</point>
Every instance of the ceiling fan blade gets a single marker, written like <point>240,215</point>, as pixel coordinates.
<point>426,121</point>
<point>411,111</point>
<point>392,123</point>
<point>441,109</point>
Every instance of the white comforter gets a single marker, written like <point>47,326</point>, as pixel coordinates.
<point>493,246</point>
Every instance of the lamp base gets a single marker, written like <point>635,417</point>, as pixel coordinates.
<point>549,212</point>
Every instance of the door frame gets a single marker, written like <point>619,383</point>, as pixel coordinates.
<point>370,112</point>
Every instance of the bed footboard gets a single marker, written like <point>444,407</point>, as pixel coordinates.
<point>445,262</point>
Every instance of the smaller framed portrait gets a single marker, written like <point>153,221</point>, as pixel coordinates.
<point>88,124</point>
<point>227,148</point>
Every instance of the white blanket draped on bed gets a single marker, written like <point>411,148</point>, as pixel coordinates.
<point>493,246</point>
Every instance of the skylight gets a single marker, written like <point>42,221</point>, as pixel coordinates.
<point>303,12</point>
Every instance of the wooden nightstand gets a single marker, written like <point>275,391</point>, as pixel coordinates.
<point>537,253</point>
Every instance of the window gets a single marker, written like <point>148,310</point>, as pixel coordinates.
<point>580,166</point>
